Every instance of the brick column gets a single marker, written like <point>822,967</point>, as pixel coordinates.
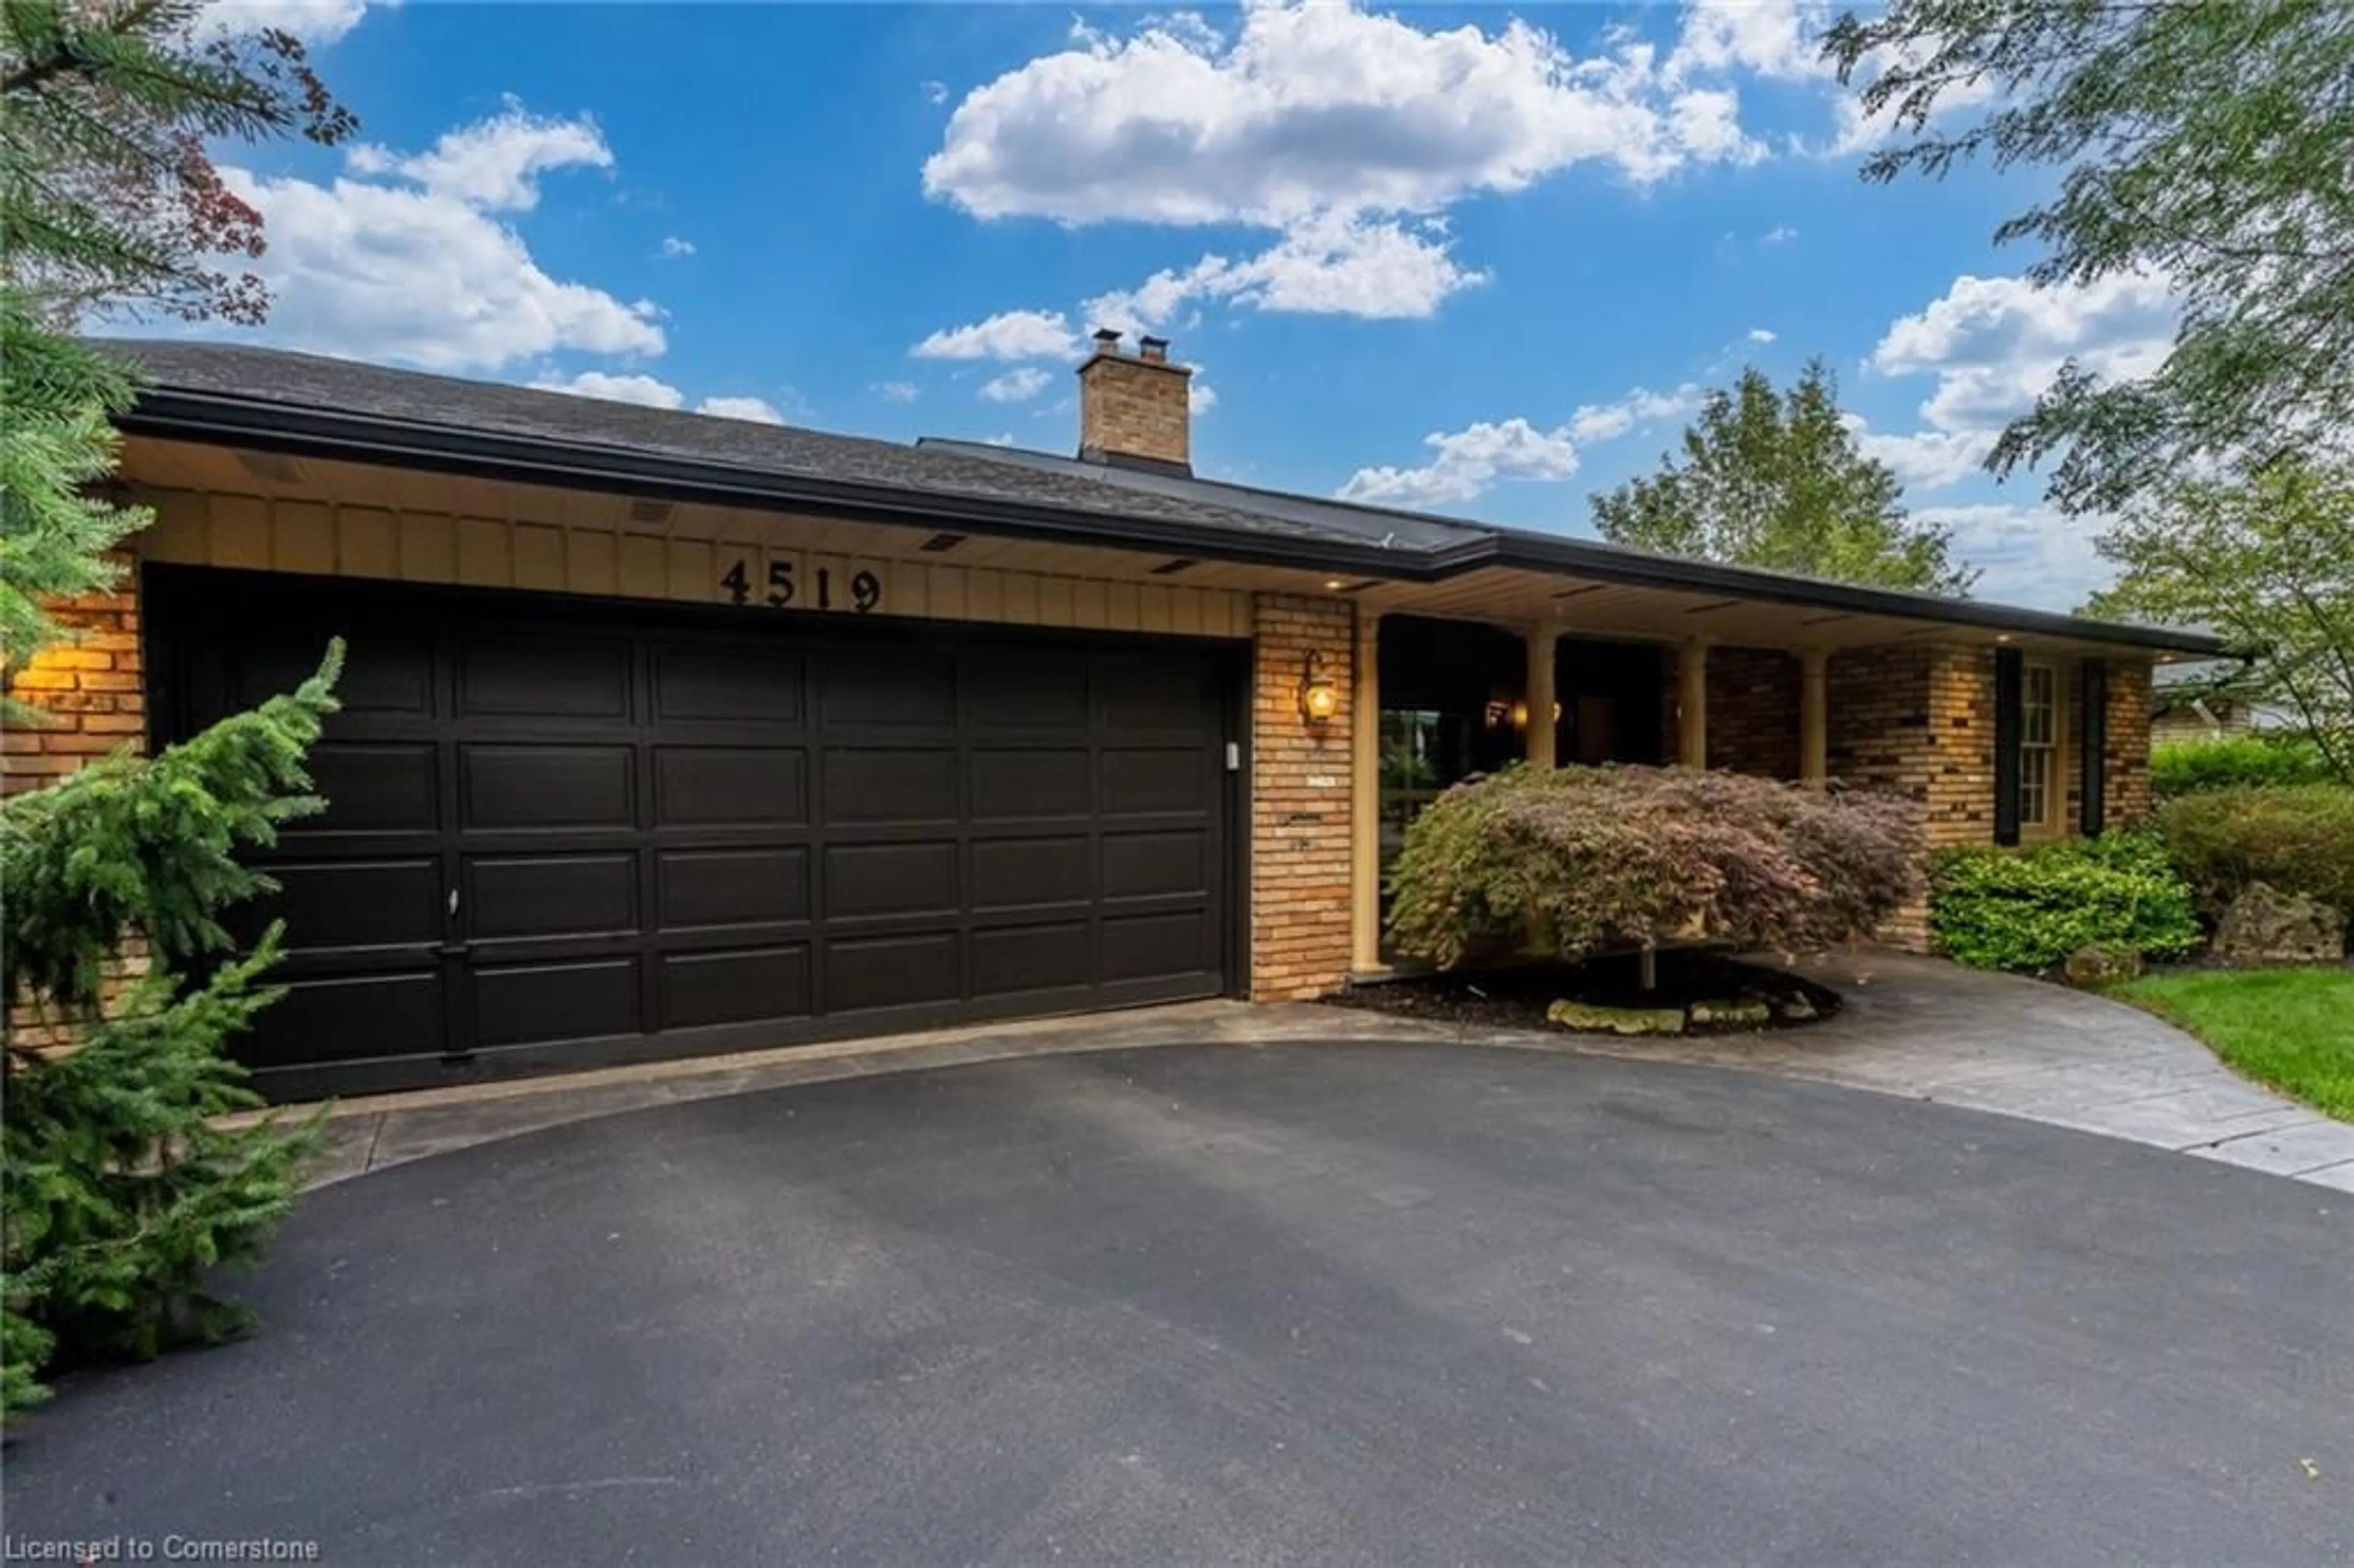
<point>1301,800</point>
<point>88,689</point>
<point>2124,766</point>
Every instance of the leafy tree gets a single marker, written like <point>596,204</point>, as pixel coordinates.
<point>1775,480</point>
<point>2205,144</point>
<point>121,1192</point>
<point>2265,558</point>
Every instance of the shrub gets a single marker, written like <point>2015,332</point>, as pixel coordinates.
<point>124,1192</point>
<point>2029,909</point>
<point>2187,767</point>
<point>2297,838</point>
<point>1573,860</point>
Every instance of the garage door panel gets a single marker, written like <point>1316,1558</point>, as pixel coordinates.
<point>345,907</point>
<point>738,987</point>
<point>700,888</point>
<point>737,786</point>
<point>1027,783</point>
<point>1152,693</point>
<point>727,684</point>
<point>523,1004</point>
<point>1147,947</point>
<point>862,973</point>
<point>1151,781</point>
<point>543,678</point>
<point>1010,960</point>
<point>385,672</point>
<point>1027,692</point>
<point>347,1018</point>
<point>550,895</point>
<point>372,787</point>
<point>868,880</point>
<point>890,784</point>
<point>1153,865</point>
<point>532,787</point>
<point>1011,874</point>
<point>889,687</point>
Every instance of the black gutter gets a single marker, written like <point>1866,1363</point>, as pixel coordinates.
<point>227,419</point>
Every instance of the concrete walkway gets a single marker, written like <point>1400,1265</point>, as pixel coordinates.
<point>1912,1027</point>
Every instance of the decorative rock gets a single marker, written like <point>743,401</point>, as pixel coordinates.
<point>1570,1015</point>
<point>2096,964</point>
<point>1739,1014</point>
<point>2267,926</point>
<point>1799,1007</point>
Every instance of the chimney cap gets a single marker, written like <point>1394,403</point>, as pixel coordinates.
<point>1106,340</point>
<point>1155,349</point>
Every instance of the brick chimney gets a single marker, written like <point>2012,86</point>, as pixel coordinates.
<point>1134,411</point>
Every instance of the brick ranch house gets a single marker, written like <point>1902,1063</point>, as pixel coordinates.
<point>667,734</point>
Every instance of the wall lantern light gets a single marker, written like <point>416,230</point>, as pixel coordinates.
<point>1319,700</point>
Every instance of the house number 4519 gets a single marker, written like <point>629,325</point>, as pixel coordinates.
<point>865,589</point>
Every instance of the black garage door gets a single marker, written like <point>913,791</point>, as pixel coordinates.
<point>576,834</point>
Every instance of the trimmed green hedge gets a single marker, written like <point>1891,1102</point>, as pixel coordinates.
<point>2028,909</point>
<point>2297,838</point>
<point>2189,767</point>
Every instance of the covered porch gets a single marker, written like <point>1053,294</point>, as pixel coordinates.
<point>1999,734</point>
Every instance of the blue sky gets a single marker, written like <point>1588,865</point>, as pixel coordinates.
<point>1476,259</point>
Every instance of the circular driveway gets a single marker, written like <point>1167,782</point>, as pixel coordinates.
<point>1341,1304</point>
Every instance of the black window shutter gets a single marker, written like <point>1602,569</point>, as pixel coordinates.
<point>2006,745</point>
<point>2092,743</point>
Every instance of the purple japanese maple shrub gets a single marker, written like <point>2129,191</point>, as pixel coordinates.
<point>1578,861</point>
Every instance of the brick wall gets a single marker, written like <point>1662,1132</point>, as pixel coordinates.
<point>1752,711</point>
<point>1300,801</point>
<point>91,702</point>
<point>88,690</point>
<point>2127,759</point>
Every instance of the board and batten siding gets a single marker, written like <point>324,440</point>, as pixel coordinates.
<point>261,533</point>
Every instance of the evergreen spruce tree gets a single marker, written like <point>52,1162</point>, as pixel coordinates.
<point>118,1191</point>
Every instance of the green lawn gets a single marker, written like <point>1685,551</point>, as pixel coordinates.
<point>2293,1029</point>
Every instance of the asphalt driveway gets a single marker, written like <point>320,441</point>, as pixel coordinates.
<point>1298,1303</point>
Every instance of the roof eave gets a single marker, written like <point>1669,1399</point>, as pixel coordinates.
<point>183,414</point>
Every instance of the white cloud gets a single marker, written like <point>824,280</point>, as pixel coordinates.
<point>1003,438</point>
<point>643,390</point>
<point>1762,334</point>
<point>494,164</point>
<point>1009,334</point>
<point>1780,234</point>
<point>1330,265</point>
<point>1309,109</point>
<point>1466,462</point>
<point>1596,422</point>
<point>1778,40</point>
<point>312,21</point>
<point>935,92</point>
<point>1016,385</point>
<point>673,247</point>
<point>1924,459</point>
<point>759,411</point>
<point>1993,345</point>
<point>898,391</point>
<point>2030,555</point>
<point>1200,396</point>
<point>389,272</point>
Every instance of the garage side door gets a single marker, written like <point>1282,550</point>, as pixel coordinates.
<point>560,837</point>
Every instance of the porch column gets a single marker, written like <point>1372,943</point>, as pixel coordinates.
<point>1365,797</point>
<point>1539,740</point>
<point>1691,703</point>
<point>1814,717</point>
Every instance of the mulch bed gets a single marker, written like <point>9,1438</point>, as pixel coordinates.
<point>1517,997</point>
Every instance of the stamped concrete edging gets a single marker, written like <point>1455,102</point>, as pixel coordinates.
<point>1917,1028</point>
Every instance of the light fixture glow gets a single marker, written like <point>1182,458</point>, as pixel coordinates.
<point>1319,700</point>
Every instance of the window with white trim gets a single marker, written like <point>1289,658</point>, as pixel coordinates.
<point>2039,749</point>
